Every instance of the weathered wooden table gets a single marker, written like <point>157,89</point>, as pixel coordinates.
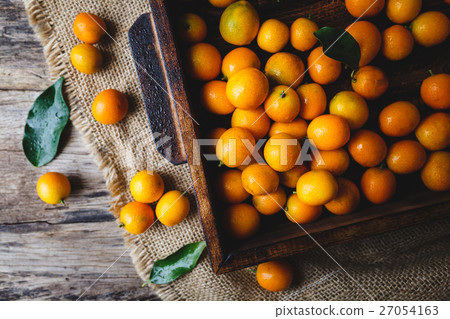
<point>51,252</point>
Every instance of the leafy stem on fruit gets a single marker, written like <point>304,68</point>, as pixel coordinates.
<point>283,94</point>
<point>62,202</point>
<point>339,45</point>
<point>431,72</point>
<point>220,164</point>
<point>121,225</point>
<point>352,75</point>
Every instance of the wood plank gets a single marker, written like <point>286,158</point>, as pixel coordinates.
<point>47,261</point>
<point>22,63</point>
<point>187,125</point>
<point>55,252</point>
<point>246,256</point>
<point>159,106</point>
<point>51,252</point>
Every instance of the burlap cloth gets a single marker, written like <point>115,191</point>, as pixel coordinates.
<point>407,264</point>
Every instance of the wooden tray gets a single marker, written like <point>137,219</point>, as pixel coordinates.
<point>174,112</point>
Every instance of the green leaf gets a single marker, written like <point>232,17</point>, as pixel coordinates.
<point>338,44</point>
<point>179,263</point>
<point>46,120</point>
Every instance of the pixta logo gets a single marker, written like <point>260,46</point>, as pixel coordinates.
<point>235,148</point>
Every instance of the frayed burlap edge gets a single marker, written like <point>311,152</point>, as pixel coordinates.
<point>43,28</point>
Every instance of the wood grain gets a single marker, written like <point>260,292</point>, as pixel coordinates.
<point>51,252</point>
<point>22,64</point>
<point>288,240</point>
<point>188,126</point>
<point>278,237</point>
<point>156,91</point>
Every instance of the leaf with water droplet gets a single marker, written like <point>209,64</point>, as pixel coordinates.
<point>46,120</point>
